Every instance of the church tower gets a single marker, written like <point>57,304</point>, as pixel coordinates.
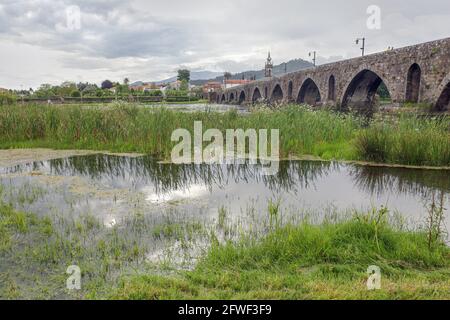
<point>269,67</point>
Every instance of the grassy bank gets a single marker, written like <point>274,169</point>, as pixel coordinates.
<point>302,261</point>
<point>127,128</point>
<point>328,261</point>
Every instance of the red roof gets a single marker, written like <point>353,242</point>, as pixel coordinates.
<point>237,81</point>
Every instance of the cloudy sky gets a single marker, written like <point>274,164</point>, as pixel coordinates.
<point>47,41</point>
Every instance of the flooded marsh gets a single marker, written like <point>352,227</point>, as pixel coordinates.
<point>115,215</point>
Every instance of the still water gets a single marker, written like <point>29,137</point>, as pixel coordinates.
<point>112,187</point>
<point>195,107</point>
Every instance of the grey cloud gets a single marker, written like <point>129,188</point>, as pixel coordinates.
<point>228,35</point>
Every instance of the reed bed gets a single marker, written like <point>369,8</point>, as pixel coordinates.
<point>408,140</point>
<point>126,127</point>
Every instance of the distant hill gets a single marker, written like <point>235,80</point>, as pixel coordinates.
<point>201,77</point>
<point>195,76</point>
<point>278,70</point>
<point>137,84</point>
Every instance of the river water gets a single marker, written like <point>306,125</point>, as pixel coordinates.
<point>112,187</point>
<point>195,107</point>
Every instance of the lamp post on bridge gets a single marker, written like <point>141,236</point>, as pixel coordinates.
<point>363,48</point>
<point>313,54</point>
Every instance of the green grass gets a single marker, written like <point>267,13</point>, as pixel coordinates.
<point>305,261</point>
<point>129,128</point>
<point>302,261</point>
<point>408,140</point>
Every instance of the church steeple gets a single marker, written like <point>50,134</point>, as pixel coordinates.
<point>269,67</point>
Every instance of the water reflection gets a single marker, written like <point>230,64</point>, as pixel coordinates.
<point>114,187</point>
<point>293,176</point>
<point>376,180</point>
<point>200,107</point>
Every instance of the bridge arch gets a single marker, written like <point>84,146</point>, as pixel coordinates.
<point>443,103</point>
<point>223,99</point>
<point>443,100</point>
<point>277,94</point>
<point>256,95</point>
<point>361,90</point>
<point>241,97</point>
<point>309,93</point>
<point>290,90</point>
<point>413,83</point>
<point>231,98</point>
<point>332,88</point>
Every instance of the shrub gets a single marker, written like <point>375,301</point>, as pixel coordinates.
<point>7,98</point>
<point>75,94</point>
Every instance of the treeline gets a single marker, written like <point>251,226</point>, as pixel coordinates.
<point>85,92</point>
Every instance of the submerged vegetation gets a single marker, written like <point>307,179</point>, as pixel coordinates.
<point>130,128</point>
<point>290,261</point>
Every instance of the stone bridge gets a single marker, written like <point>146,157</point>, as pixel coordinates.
<point>417,74</point>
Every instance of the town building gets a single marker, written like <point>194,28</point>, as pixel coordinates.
<point>211,87</point>
<point>234,83</point>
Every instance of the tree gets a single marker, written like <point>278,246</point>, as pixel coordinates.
<point>65,89</point>
<point>85,86</point>
<point>45,91</point>
<point>227,75</point>
<point>184,75</point>
<point>184,86</point>
<point>107,84</point>
<point>122,89</point>
<point>126,81</point>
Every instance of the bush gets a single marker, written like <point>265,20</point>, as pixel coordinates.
<point>176,93</point>
<point>7,98</point>
<point>153,93</point>
<point>75,94</point>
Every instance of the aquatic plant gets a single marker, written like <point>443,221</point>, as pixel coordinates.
<point>435,220</point>
<point>124,127</point>
<point>408,140</point>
